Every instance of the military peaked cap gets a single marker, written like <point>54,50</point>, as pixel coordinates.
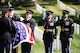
<point>11,8</point>
<point>29,11</point>
<point>65,12</point>
<point>49,13</point>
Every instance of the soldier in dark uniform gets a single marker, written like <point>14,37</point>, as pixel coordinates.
<point>15,17</point>
<point>67,30</point>
<point>29,20</point>
<point>26,47</point>
<point>49,31</point>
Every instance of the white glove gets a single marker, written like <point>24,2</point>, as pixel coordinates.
<point>21,18</point>
<point>70,39</point>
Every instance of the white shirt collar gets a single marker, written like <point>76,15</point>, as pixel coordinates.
<point>65,18</point>
<point>28,18</point>
<point>11,16</point>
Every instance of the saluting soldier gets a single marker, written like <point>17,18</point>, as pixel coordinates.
<point>67,30</point>
<point>49,31</point>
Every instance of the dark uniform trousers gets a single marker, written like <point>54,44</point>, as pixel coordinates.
<point>48,41</point>
<point>65,46</point>
<point>65,43</point>
<point>26,47</point>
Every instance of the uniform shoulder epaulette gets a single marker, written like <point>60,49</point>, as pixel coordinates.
<point>70,19</point>
<point>33,20</point>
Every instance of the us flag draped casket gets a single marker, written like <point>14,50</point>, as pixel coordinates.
<point>23,34</point>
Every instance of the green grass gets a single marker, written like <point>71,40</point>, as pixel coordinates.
<point>75,48</point>
<point>51,6</point>
<point>76,44</point>
<point>74,6</point>
<point>20,11</point>
<point>39,46</point>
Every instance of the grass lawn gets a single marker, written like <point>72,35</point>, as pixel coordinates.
<point>51,6</point>
<point>39,47</point>
<point>76,44</point>
<point>74,6</point>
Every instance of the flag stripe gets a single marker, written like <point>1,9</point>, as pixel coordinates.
<point>23,34</point>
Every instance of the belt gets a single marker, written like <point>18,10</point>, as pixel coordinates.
<point>65,29</point>
<point>49,30</point>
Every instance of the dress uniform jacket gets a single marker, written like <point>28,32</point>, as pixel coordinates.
<point>49,31</point>
<point>16,17</point>
<point>67,28</point>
